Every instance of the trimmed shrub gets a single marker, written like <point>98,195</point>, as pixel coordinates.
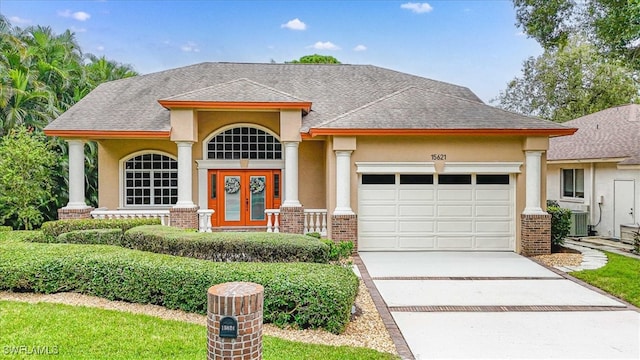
<point>303,295</point>
<point>339,250</point>
<point>560,224</point>
<point>227,246</point>
<point>5,228</point>
<point>52,229</point>
<point>92,236</point>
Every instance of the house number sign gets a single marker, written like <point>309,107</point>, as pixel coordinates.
<point>228,327</point>
<point>438,156</point>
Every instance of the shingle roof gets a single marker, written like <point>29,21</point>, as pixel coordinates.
<point>611,133</point>
<point>355,96</point>
<point>417,108</point>
<point>240,90</point>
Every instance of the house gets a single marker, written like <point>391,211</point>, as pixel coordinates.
<point>390,160</point>
<point>598,168</point>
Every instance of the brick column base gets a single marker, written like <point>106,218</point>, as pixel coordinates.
<point>242,301</point>
<point>65,213</point>
<point>535,234</point>
<point>184,218</point>
<point>292,219</point>
<point>345,228</point>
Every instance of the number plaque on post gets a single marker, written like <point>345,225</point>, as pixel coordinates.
<point>228,327</point>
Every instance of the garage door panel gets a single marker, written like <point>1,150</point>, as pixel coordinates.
<point>455,210</point>
<point>455,242</point>
<point>416,242</point>
<point>377,242</point>
<point>405,216</point>
<point>494,227</point>
<point>455,194</point>
<point>378,210</point>
<point>415,210</point>
<point>378,226</point>
<point>419,226</point>
<point>378,194</point>
<point>455,226</point>
<point>416,194</point>
<point>493,194</point>
<point>493,242</point>
<point>494,211</point>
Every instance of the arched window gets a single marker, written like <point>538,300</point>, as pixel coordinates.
<point>244,143</point>
<point>150,180</point>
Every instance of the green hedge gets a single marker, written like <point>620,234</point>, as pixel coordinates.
<point>5,228</point>
<point>227,246</point>
<point>52,229</point>
<point>92,236</point>
<point>305,295</point>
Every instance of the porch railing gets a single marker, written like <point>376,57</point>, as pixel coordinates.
<point>163,215</point>
<point>204,220</point>
<point>204,216</point>
<point>315,220</point>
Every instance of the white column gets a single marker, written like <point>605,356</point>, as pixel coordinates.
<point>291,174</point>
<point>76,175</point>
<point>534,174</point>
<point>185,168</point>
<point>343,183</point>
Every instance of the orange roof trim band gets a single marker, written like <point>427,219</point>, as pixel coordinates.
<point>176,104</point>
<point>448,132</point>
<point>99,134</point>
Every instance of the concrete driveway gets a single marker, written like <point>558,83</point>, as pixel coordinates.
<point>496,305</point>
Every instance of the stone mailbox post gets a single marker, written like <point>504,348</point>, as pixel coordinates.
<point>234,321</point>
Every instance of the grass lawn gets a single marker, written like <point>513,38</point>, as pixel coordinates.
<point>620,277</point>
<point>75,332</point>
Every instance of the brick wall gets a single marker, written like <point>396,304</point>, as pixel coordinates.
<point>292,219</point>
<point>65,213</point>
<point>184,218</point>
<point>345,228</point>
<point>244,302</point>
<point>535,234</point>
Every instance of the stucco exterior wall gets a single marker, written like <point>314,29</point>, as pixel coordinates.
<point>420,148</point>
<point>598,182</point>
<point>311,174</point>
<point>110,152</point>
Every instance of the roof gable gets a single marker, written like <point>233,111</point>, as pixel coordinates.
<point>608,134</point>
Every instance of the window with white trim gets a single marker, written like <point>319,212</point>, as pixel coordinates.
<point>244,143</point>
<point>150,180</point>
<point>573,183</point>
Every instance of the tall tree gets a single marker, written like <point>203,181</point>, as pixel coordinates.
<point>42,74</point>
<point>316,59</point>
<point>612,25</point>
<point>26,163</point>
<point>569,82</point>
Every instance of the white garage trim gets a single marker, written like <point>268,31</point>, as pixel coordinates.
<point>395,167</point>
<point>482,167</point>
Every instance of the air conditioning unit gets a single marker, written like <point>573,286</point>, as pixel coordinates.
<point>579,223</point>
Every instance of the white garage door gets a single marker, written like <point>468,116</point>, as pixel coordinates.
<point>436,212</point>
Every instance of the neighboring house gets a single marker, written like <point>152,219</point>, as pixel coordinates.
<point>391,160</point>
<point>598,168</point>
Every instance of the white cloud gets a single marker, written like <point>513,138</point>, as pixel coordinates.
<point>78,15</point>
<point>190,46</point>
<point>418,8</point>
<point>360,48</point>
<point>294,24</point>
<point>100,48</point>
<point>19,21</point>
<point>520,33</point>
<point>327,45</point>
<point>78,30</point>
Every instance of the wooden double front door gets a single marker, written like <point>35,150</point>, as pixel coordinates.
<point>240,197</point>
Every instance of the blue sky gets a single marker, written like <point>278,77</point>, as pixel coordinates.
<point>469,43</point>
